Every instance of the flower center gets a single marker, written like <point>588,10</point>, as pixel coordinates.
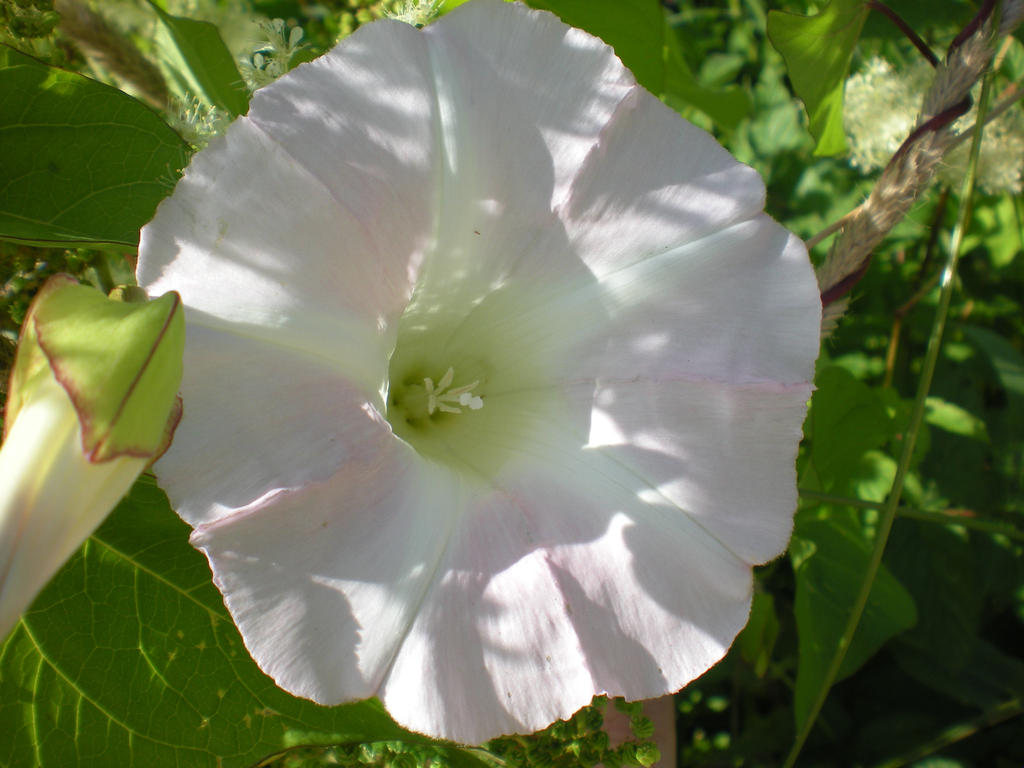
<point>418,402</point>
<point>440,397</point>
<point>479,374</point>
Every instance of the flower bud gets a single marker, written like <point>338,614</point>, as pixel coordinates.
<point>92,402</point>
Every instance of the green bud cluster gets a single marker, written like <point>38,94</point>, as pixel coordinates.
<point>277,54</point>
<point>380,754</point>
<point>24,269</point>
<point>580,741</point>
<point>27,19</point>
<point>355,13</point>
<point>703,713</point>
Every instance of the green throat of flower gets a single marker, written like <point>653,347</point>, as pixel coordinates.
<point>444,412</point>
<point>480,372</point>
<point>473,378</point>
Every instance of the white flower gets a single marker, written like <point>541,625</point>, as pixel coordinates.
<point>486,214</point>
<point>91,404</point>
<point>882,108</point>
<point>268,60</point>
<point>416,12</point>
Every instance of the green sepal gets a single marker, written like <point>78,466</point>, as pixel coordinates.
<point>120,363</point>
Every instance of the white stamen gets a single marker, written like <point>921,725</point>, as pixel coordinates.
<point>439,400</point>
<point>446,380</point>
<point>474,402</point>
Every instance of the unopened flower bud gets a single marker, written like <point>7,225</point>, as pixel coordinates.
<point>92,402</point>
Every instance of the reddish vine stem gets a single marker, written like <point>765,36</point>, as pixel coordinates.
<point>983,15</point>
<point>906,29</point>
<point>945,118</point>
<point>844,286</point>
<point>911,168</point>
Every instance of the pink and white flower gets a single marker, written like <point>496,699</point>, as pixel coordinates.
<point>495,374</point>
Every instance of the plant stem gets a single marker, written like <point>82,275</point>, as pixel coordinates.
<point>987,526</point>
<point>925,288</point>
<point>835,226</point>
<point>998,714</point>
<point>965,519</point>
<point>893,348</point>
<point>906,29</point>
<point>920,292</point>
<point>1013,94</point>
<point>842,501</point>
<point>888,514</point>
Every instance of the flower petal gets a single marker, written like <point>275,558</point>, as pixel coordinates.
<point>564,584</point>
<point>493,63</point>
<point>654,182</point>
<point>323,582</point>
<point>740,305</point>
<point>511,139</point>
<point>491,650</point>
<point>723,454</point>
<point>288,249</point>
<point>274,419</point>
<point>361,122</point>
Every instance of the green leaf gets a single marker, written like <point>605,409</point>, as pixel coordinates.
<point>204,64</point>
<point>757,640</point>
<point>642,38</point>
<point>995,227</point>
<point>80,162</point>
<point>981,476</point>
<point>1006,360</point>
<point>848,420</point>
<point>953,418</point>
<point>871,476</point>
<point>725,106</point>
<point>987,676</point>
<point>129,658</point>
<point>817,50</point>
<point>934,563</point>
<point>900,412</point>
<point>827,583</point>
